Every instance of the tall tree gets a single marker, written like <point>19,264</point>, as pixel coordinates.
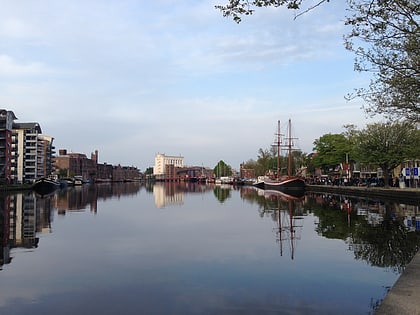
<point>386,41</point>
<point>331,149</point>
<point>388,145</point>
<point>385,38</point>
<point>222,169</point>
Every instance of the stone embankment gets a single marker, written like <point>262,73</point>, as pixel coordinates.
<point>404,297</point>
<point>401,194</point>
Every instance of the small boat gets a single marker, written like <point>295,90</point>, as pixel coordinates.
<point>66,182</point>
<point>46,185</point>
<point>78,180</point>
<point>288,184</point>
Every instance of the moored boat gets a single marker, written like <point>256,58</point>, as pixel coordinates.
<point>45,185</point>
<point>78,180</point>
<point>288,184</point>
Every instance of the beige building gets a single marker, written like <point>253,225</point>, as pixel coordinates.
<point>33,153</point>
<point>162,160</point>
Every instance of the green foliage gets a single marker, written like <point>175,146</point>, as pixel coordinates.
<point>62,172</point>
<point>222,194</point>
<point>388,144</point>
<point>332,149</point>
<point>222,169</point>
<point>148,171</point>
<point>385,145</point>
<point>267,162</point>
<point>238,8</point>
<point>386,41</point>
<point>385,38</point>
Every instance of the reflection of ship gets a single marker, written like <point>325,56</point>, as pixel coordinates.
<point>289,183</point>
<point>289,222</point>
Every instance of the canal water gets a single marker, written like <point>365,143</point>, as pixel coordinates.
<point>177,248</point>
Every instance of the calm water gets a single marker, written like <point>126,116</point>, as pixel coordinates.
<point>196,249</point>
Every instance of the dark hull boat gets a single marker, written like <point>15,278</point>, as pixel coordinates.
<point>45,185</point>
<point>292,185</point>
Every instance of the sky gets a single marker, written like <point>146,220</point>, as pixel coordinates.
<point>133,78</point>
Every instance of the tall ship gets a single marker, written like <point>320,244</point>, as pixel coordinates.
<point>289,184</point>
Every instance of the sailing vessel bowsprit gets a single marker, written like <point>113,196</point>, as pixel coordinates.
<point>289,183</point>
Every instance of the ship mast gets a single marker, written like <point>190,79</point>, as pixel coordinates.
<point>278,149</point>
<point>289,149</point>
<point>289,168</point>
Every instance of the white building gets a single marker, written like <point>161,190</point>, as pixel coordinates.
<point>161,160</point>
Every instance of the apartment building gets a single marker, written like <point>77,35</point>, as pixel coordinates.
<point>7,152</point>
<point>34,152</point>
<point>25,154</point>
<point>162,162</point>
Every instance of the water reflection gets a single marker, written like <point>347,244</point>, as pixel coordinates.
<point>287,212</point>
<point>172,193</point>
<point>383,233</point>
<point>25,215</point>
<point>379,232</point>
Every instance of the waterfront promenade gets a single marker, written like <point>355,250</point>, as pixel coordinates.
<point>400,194</point>
<point>404,297</point>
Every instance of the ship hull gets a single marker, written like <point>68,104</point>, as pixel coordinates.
<point>44,186</point>
<point>290,185</point>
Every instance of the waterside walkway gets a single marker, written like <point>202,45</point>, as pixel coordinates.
<point>404,296</point>
<point>400,194</point>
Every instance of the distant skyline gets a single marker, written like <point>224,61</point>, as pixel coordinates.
<point>135,78</point>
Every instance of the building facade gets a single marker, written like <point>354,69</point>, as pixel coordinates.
<point>25,153</point>
<point>7,149</point>
<point>33,153</point>
<point>76,164</point>
<point>162,162</point>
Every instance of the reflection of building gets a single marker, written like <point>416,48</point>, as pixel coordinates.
<point>22,216</point>
<point>167,195</point>
<point>5,216</point>
<point>166,164</point>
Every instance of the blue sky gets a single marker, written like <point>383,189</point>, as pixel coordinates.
<point>135,78</point>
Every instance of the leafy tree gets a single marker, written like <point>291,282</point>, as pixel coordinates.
<point>267,161</point>
<point>264,161</point>
<point>62,172</point>
<point>222,169</point>
<point>391,31</point>
<point>300,159</point>
<point>388,145</point>
<point>148,171</point>
<point>254,165</point>
<point>385,38</point>
<point>238,8</point>
<point>332,149</point>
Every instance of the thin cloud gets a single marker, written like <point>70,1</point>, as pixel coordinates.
<point>11,68</point>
